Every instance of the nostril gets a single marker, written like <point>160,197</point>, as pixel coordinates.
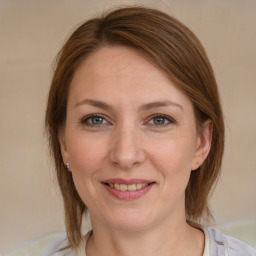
<point>115,163</point>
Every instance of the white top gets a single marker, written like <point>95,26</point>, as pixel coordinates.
<point>216,244</point>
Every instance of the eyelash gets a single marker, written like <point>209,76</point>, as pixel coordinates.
<point>168,118</point>
<point>85,120</point>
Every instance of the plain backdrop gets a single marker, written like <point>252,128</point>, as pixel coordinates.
<point>32,32</point>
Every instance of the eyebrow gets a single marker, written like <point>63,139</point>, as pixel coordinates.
<point>158,104</point>
<point>95,103</point>
<point>147,106</point>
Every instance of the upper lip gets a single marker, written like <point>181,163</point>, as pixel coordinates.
<point>127,181</point>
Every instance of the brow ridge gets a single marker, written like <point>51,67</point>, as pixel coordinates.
<point>144,107</point>
<point>158,104</point>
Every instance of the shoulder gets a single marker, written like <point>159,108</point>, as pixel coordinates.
<point>221,244</point>
<point>57,247</point>
<point>60,246</point>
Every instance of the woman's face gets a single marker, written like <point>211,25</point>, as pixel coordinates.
<point>130,139</point>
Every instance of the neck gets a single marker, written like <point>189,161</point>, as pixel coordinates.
<point>168,238</point>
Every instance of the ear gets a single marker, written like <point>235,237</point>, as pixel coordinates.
<point>63,146</point>
<point>203,144</point>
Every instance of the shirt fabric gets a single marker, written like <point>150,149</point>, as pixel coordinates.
<point>216,244</point>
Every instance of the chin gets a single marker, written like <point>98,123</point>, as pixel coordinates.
<point>129,220</point>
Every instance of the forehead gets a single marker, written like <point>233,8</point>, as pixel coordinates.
<point>122,72</point>
<point>116,62</point>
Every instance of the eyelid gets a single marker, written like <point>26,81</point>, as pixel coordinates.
<point>86,118</point>
<point>167,117</point>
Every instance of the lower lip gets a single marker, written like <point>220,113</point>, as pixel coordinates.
<point>129,195</point>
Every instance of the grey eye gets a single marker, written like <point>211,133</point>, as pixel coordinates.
<point>159,120</point>
<point>96,120</point>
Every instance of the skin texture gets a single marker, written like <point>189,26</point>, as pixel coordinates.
<point>127,141</point>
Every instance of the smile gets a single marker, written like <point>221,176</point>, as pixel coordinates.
<point>125,187</point>
<point>128,189</point>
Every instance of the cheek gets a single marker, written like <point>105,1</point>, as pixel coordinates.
<point>173,156</point>
<point>85,152</point>
<point>173,162</point>
<point>86,156</point>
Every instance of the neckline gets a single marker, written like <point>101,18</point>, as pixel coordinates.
<point>81,250</point>
<point>206,241</point>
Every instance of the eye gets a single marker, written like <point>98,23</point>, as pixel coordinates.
<point>94,120</point>
<point>161,120</point>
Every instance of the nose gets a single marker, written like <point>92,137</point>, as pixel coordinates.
<point>127,149</point>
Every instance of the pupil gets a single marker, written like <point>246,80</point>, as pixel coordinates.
<point>97,120</point>
<point>159,120</point>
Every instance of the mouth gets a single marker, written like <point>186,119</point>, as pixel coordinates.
<point>128,189</point>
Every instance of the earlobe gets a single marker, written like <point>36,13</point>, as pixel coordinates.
<point>63,146</point>
<point>203,144</point>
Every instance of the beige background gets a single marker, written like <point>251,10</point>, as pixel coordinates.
<point>31,33</point>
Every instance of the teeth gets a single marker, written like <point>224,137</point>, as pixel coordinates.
<point>131,187</point>
<point>124,187</point>
<point>139,186</point>
<point>116,186</point>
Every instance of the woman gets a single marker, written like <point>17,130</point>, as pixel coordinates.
<point>136,130</point>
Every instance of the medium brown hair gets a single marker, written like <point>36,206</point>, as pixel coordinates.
<point>172,48</point>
